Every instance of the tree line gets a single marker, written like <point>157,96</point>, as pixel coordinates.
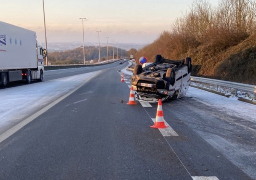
<point>76,56</point>
<point>212,37</point>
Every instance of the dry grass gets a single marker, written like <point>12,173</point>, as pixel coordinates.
<point>221,42</point>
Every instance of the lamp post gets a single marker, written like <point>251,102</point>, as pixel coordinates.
<point>99,43</point>
<point>117,51</point>
<point>83,37</point>
<point>113,52</point>
<point>45,38</point>
<point>107,47</point>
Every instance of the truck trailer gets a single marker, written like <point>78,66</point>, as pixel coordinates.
<point>21,55</point>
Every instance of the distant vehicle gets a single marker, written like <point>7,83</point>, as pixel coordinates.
<point>21,56</point>
<point>131,56</point>
<point>164,79</point>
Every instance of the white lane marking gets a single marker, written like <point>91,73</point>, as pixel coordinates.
<point>17,127</point>
<point>166,131</point>
<point>128,82</point>
<point>204,178</point>
<point>170,132</point>
<point>89,92</point>
<point>145,104</point>
<point>80,101</point>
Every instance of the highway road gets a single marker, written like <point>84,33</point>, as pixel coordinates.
<point>94,134</point>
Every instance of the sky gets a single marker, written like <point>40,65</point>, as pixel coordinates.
<point>123,21</point>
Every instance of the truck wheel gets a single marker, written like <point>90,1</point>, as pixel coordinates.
<point>4,79</point>
<point>170,76</point>
<point>137,69</point>
<point>28,78</point>
<point>41,76</point>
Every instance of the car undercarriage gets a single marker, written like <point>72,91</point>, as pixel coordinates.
<point>164,79</point>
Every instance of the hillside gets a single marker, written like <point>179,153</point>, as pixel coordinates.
<point>75,56</point>
<point>221,41</point>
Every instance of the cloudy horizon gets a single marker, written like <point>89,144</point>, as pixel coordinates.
<point>122,21</point>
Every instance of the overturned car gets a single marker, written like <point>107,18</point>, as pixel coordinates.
<point>164,79</point>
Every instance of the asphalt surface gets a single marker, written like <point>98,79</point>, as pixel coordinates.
<point>94,134</point>
<point>55,74</point>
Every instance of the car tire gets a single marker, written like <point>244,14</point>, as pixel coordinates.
<point>170,76</point>
<point>188,63</point>
<point>137,69</point>
<point>159,59</point>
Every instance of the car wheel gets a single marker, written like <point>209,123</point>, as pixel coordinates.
<point>188,63</point>
<point>137,69</point>
<point>170,76</point>
<point>159,59</point>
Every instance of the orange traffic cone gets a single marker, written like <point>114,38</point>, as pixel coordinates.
<point>131,98</point>
<point>159,116</point>
<point>122,77</point>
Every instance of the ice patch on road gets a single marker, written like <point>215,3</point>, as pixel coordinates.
<point>125,71</point>
<point>230,105</point>
<point>204,178</point>
<point>17,103</point>
<point>236,153</point>
<point>236,142</point>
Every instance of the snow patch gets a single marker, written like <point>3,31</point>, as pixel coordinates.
<point>17,103</point>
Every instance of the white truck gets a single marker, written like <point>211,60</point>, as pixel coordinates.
<point>21,56</point>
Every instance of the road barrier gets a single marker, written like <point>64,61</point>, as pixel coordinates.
<point>54,67</point>
<point>244,92</point>
<point>228,84</point>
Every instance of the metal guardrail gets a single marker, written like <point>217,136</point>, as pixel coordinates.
<point>228,84</point>
<point>54,67</point>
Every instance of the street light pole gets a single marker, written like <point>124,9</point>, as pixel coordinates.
<point>113,52</point>
<point>83,37</point>
<point>117,51</point>
<point>99,43</point>
<point>107,47</point>
<point>45,38</point>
